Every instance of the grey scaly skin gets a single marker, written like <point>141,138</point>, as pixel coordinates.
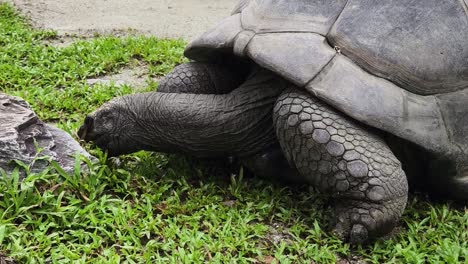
<point>204,78</point>
<point>239,123</point>
<point>345,160</point>
<point>183,88</point>
<point>397,69</point>
<point>203,125</point>
<point>363,77</point>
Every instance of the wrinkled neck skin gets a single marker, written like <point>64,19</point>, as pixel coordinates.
<point>235,124</point>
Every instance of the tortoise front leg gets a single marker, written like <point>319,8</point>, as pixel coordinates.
<point>344,159</point>
<point>204,78</point>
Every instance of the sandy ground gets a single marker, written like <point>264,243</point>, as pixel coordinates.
<point>163,18</point>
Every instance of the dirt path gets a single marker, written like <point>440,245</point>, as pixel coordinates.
<point>163,18</point>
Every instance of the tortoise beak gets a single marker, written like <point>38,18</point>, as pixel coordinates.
<point>87,127</point>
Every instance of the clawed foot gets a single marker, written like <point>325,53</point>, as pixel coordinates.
<point>360,222</point>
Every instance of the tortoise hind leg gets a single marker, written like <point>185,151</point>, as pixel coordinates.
<point>343,159</point>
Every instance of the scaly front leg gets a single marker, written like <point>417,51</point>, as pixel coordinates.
<point>345,160</point>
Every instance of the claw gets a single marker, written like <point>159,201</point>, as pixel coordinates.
<point>341,231</point>
<point>359,234</point>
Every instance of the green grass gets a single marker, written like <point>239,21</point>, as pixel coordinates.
<point>155,208</point>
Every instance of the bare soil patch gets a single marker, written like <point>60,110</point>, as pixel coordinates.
<point>184,19</point>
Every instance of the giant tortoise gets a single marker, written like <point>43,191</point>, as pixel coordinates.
<point>351,90</point>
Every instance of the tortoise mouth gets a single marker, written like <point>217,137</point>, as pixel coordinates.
<point>86,128</point>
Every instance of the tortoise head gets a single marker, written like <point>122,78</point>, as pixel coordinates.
<point>111,128</point>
